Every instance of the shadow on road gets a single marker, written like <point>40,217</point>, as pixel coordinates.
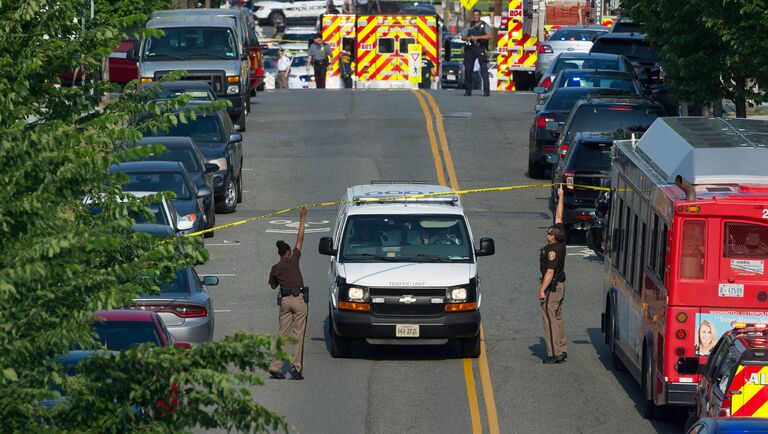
<point>668,420</point>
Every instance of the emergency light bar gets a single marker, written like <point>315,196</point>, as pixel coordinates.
<point>741,325</point>
<point>448,198</point>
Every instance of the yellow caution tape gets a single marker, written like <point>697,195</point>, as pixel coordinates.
<point>391,198</point>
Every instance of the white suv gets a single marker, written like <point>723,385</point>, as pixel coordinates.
<point>287,11</point>
<point>403,270</point>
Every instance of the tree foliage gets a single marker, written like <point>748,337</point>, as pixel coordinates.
<point>60,261</point>
<point>711,49</point>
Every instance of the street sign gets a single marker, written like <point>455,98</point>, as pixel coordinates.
<point>468,4</point>
<point>414,63</point>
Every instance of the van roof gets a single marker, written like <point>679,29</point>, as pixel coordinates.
<point>364,199</point>
<point>191,21</point>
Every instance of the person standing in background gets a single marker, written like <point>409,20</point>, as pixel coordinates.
<point>283,70</point>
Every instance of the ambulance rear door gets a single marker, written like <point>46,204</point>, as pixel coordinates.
<point>749,387</point>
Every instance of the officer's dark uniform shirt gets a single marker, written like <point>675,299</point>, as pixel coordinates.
<point>286,273</point>
<point>426,68</point>
<point>552,256</point>
<point>480,29</point>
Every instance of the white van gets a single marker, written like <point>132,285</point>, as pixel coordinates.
<point>403,270</point>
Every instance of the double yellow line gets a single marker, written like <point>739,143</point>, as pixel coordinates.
<point>427,102</point>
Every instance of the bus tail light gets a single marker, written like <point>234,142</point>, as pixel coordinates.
<point>681,334</point>
<point>568,179</point>
<point>681,317</point>
<point>680,351</point>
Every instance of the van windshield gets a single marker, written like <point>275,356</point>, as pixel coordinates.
<point>183,43</point>
<point>406,238</point>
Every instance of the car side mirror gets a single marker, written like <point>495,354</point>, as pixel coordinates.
<point>553,158</point>
<point>184,345</point>
<point>326,246</point>
<point>184,225</point>
<point>537,108</point>
<point>235,137</point>
<point>539,89</point>
<point>204,192</point>
<point>687,365</point>
<point>237,127</point>
<point>210,280</point>
<point>487,247</point>
<point>211,167</point>
<point>552,126</point>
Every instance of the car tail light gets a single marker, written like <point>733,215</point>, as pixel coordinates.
<point>725,406</point>
<point>259,72</point>
<point>180,310</point>
<point>546,83</point>
<point>568,179</point>
<point>541,121</point>
<point>545,49</point>
<point>563,149</point>
<point>620,107</point>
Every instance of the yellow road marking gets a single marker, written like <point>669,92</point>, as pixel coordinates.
<point>432,141</point>
<point>474,408</point>
<point>485,372</point>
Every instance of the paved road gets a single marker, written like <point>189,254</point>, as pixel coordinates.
<point>308,146</point>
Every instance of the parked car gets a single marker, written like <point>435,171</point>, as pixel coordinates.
<point>208,49</point>
<point>543,141</point>
<point>162,213</point>
<point>300,77</point>
<point>297,39</point>
<point>587,163</point>
<point>276,12</point>
<point>601,61</point>
<point>168,176</point>
<point>185,151</point>
<point>123,329</point>
<point>221,144</point>
<point>123,65</point>
<point>452,75</point>
<point>592,79</point>
<point>730,425</point>
<point>566,39</point>
<point>184,305</point>
<point>196,90</point>
<point>618,116</point>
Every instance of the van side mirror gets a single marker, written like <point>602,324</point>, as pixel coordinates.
<point>210,280</point>
<point>326,246</point>
<point>487,247</point>
<point>235,137</point>
<point>687,365</point>
<point>211,167</point>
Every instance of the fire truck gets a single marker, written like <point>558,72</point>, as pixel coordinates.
<point>380,46</point>
<point>687,248</point>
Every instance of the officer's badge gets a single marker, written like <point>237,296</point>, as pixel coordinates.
<point>552,255</point>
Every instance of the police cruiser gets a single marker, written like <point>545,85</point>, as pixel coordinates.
<point>403,269</point>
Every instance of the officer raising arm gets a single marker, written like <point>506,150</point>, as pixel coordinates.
<point>552,288</point>
<point>476,35</point>
<point>292,300</point>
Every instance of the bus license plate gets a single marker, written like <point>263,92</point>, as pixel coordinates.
<point>407,331</point>
<point>731,290</point>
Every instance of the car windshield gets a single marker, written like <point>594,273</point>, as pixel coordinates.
<point>598,81</point>
<point>591,157</point>
<point>184,156</point>
<point>181,43</point>
<point>406,238</point>
<point>576,34</point>
<point>159,182</point>
<point>299,61</point>
<point>619,119</point>
<point>122,335</point>
<point>636,50</point>
<point>200,129</point>
<point>606,64</point>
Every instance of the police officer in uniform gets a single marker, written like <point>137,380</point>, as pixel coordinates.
<point>552,288</point>
<point>292,299</point>
<point>476,35</point>
<point>427,71</point>
<point>319,53</point>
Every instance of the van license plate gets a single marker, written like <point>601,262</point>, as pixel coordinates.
<point>731,290</point>
<point>450,77</point>
<point>407,331</point>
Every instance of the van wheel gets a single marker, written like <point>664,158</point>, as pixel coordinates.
<point>240,186</point>
<point>470,347</point>
<point>260,88</point>
<point>341,348</point>
<point>649,409</point>
<point>211,222</point>
<point>241,121</point>
<point>535,171</point>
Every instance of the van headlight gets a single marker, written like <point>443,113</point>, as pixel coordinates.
<point>233,89</point>
<point>457,294</point>
<point>355,293</point>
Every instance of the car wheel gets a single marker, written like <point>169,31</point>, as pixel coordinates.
<point>276,18</point>
<point>470,347</point>
<point>341,348</point>
<point>211,222</point>
<point>229,203</point>
<point>260,88</point>
<point>535,170</point>
<point>240,186</point>
<point>241,121</point>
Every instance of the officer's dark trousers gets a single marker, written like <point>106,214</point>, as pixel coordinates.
<point>470,55</point>
<point>552,314</point>
<point>320,69</point>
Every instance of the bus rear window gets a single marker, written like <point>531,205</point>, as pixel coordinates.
<point>746,240</point>
<point>694,245</point>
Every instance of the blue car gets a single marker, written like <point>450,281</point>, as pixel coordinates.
<point>730,425</point>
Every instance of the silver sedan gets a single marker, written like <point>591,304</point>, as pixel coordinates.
<point>570,39</point>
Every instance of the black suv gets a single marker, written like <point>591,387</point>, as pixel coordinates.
<point>221,144</point>
<point>587,163</point>
<point>542,138</point>
<point>184,150</point>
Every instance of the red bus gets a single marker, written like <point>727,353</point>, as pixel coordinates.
<point>686,247</point>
